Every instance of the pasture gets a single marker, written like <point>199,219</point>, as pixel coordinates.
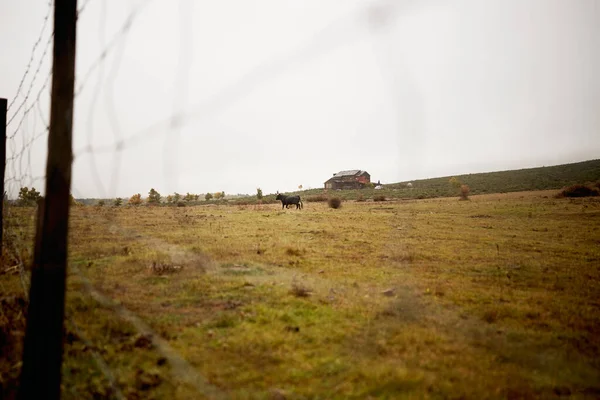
<point>497,297</point>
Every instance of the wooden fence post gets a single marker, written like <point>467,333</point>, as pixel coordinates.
<point>43,346</point>
<point>2,167</point>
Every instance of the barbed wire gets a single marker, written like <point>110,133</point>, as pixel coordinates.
<point>32,83</point>
<point>32,57</point>
<point>39,65</point>
<point>28,109</point>
<point>35,45</point>
<point>21,140</point>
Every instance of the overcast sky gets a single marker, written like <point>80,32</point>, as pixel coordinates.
<point>232,95</point>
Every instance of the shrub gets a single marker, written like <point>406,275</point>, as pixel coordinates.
<point>180,204</point>
<point>379,197</point>
<point>118,201</point>
<point>299,290</point>
<point>334,202</point>
<point>316,198</point>
<point>135,200</point>
<point>208,196</point>
<point>464,192</point>
<point>360,197</point>
<point>578,191</point>
<point>153,197</point>
<point>29,196</point>
<point>259,193</point>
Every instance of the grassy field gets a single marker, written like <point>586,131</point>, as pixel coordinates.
<point>496,298</point>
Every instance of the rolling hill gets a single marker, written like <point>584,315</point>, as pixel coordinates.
<point>542,178</point>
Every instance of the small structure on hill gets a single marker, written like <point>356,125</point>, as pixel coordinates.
<point>351,179</point>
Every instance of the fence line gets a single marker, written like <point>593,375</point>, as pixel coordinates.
<point>22,140</point>
<point>3,111</point>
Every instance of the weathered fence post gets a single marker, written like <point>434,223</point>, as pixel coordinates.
<point>43,346</point>
<point>2,168</point>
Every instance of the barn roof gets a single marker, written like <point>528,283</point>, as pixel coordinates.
<point>350,172</point>
<point>340,175</point>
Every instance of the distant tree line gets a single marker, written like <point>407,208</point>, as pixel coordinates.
<point>31,196</point>
<point>155,198</point>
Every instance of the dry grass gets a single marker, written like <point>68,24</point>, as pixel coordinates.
<point>492,298</point>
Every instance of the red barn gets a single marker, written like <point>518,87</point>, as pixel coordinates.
<point>352,179</point>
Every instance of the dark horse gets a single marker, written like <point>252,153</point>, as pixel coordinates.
<point>287,200</point>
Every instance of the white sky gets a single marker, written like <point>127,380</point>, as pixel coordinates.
<point>278,93</point>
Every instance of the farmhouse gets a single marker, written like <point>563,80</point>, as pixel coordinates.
<point>352,179</point>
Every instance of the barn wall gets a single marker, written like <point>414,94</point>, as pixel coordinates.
<point>363,179</point>
<point>349,182</point>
